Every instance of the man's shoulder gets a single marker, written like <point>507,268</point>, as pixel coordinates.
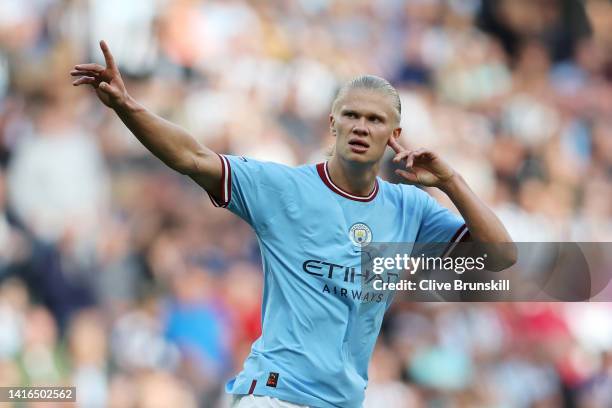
<point>281,172</point>
<point>408,194</point>
<point>251,161</point>
<point>398,189</point>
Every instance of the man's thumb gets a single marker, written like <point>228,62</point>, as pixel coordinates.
<point>108,89</point>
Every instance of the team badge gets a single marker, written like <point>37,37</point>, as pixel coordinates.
<point>360,234</point>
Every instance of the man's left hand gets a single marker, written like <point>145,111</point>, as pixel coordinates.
<point>423,166</point>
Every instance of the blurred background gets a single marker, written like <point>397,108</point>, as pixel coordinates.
<point>119,277</point>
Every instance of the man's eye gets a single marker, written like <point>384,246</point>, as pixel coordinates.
<point>375,119</point>
<point>350,115</point>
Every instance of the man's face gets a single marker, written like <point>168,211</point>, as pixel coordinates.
<point>362,122</point>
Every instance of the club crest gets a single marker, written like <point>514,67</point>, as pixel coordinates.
<point>360,234</point>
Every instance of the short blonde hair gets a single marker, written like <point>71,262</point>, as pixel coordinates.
<point>371,82</point>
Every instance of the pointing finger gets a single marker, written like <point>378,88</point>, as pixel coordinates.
<point>108,57</point>
<point>395,145</point>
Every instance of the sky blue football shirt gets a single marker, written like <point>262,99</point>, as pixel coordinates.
<point>318,330</point>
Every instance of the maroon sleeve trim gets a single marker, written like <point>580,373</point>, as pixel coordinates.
<point>252,387</point>
<point>226,184</point>
<point>462,235</point>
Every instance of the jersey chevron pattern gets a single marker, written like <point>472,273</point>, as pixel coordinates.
<point>318,332</point>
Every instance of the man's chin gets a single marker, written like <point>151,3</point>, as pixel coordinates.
<point>359,158</point>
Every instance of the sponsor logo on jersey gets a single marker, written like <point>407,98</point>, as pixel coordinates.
<point>329,272</point>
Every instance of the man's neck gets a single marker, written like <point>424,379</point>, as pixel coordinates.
<point>354,178</point>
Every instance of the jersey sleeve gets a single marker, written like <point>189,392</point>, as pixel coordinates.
<point>250,188</point>
<point>440,225</point>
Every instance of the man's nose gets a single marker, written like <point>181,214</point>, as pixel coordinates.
<point>360,127</point>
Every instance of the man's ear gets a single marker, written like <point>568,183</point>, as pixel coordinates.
<point>332,123</point>
<point>393,140</point>
<point>397,132</point>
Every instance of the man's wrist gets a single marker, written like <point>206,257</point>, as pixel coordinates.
<point>452,184</point>
<point>129,106</point>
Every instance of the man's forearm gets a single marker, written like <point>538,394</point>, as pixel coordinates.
<point>167,141</point>
<point>483,224</point>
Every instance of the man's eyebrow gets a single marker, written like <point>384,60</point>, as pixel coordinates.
<point>378,115</point>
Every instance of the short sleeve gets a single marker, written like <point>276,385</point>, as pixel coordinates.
<point>438,224</point>
<point>250,188</point>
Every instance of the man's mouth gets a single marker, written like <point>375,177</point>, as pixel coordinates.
<point>358,145</point>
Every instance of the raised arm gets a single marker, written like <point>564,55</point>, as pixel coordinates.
<point>426,168</point>
<point>167,141</point>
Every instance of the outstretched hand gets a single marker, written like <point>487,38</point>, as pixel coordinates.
<point>423,166</point>
<point>105,80</point>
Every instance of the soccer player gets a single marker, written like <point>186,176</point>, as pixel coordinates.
<point>312,221</point>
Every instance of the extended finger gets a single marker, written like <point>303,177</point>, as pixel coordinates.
<point>400,156</point>
<point>393,143</point>
<point>108,57</point>
<point>89,67</point>
<point>84,80</point>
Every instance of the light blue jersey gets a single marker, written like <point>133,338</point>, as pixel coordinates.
<point>318,330</point>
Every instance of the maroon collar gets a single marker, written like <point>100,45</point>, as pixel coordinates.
<point>324,174</point>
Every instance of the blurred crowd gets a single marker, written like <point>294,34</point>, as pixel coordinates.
<point>119,277</point>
